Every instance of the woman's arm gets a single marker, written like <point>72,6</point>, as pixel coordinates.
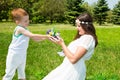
<point>76,56</point>
<point>73,58</point>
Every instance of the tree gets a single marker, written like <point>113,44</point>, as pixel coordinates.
<point>88,8</point>
<point>25,4</point>
<point>100,11</point>
<point>51,10</point>
<point>74,9</point>
<point>116,14</point>
<point>4,9</point>
<point>36,17</point>
<point>54,9</point>
<point>109,17</point>
<point>7,5</point>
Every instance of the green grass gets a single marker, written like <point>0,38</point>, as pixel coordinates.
<point>42,56</point>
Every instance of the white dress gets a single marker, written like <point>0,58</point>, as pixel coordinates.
<point>77,71</point>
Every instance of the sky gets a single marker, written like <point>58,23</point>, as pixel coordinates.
<point>111,3</point>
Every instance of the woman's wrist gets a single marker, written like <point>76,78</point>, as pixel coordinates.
<point>62,44</point>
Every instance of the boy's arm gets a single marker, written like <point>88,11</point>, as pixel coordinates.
<point>36,37</point>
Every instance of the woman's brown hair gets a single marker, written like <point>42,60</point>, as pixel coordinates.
<point>86,23</point>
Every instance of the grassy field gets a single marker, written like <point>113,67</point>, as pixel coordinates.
<point>42,56</point>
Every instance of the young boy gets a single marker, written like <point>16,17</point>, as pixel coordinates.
<point>16,58</point>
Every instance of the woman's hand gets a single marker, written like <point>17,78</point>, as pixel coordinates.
<point>57,40</point>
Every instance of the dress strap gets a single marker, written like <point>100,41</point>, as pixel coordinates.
<point>18,34</point>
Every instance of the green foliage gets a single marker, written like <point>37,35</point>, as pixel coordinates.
<point>8,5</point>
<point>42,56</point>
<point>60,11</point>
<point>100,11</point>
<point>109,17</point>
<point>88,8</point>
<point>4,9</point>
<point>74,9</point>
<point>52,10</point>
<point>116,14</point>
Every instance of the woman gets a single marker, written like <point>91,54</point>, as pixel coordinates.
<point>80,49</point>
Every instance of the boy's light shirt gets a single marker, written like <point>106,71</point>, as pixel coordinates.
<point>19,42</point>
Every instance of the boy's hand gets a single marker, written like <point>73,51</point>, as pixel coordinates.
<point>48,36</point>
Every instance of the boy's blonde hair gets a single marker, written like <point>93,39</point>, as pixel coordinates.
<point>18,13</point>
